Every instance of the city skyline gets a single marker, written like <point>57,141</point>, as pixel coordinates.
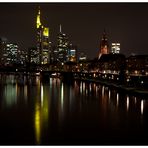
<point>73,74</point>
<point>82,22</point>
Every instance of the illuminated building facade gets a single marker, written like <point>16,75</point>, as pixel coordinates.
<point>137,65</point>
<point>3,43</point>
<point>11,54</point>
<point>23,57</point>
<point>115,48</point>
<point>62,46</point>
<point>104,46</point>
<point>72,52</point>
<point>32,55</point>
<point>43,45</point>
<point>54,54</point>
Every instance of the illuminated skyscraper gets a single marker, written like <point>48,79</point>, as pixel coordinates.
<point>62,46</point>
<point>55,54</point>
<point>115,48</point>
<point>72,53</point>
<point>43,45</point>
<point>11,54</point>
<point>104,46</point>
<point>32,55</point>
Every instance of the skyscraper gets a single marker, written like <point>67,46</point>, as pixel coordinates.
<point>43,45</point>
<point>62,46</point>
<point>32,55</point>
<point>104,46</point>
<point>11,54</point>
<point>72,53</point>
<point>23,57</point>
<point>115,48</point>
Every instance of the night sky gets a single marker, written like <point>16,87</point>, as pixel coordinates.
<point>126,23</point>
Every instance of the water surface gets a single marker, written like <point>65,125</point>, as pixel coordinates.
<point>57,112</point>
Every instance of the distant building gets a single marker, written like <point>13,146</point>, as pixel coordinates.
<point>32,55</point>
<point>137,65</point>
<point>111,63</point>
<point>23,57</point>
<point>3,42</point>
<point>115,48</point>
<point>104,46</point>
<point>11,54</point>
<point>62,46</point>
<point>72,53</point>
<point>43,45</point>
<point>82,57</point>
<point>54,54</point>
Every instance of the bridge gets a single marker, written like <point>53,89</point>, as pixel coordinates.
<point>70,72</point>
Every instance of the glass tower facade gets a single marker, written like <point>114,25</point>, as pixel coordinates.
<point>43,45</point>
<point>62,46</point>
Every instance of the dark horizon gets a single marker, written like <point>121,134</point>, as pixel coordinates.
<point>83,23</point>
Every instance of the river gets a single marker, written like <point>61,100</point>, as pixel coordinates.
<point>77,113</point>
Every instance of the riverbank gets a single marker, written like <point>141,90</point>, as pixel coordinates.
<point>124,88</point>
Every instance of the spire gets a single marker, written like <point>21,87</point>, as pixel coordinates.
<point>104,32</point>
<point>39,10</point>
<point>104,36</point>
<point>60,28</point>
<point>38,21</point>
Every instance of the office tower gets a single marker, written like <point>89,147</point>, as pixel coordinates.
<point>43,45</point>
<point>54,53</point>
<point>23,57</point>
<point>72,53</point>
<point>11,54</point>
<point>115,48</point>
<point>104,46</point>
<point>32,55</point>
<point>62,46</point>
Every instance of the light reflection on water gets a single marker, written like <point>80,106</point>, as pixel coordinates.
<point>127,103</point>
<point>62,96</point>
<point>25,92</point>
<point>38,122</point>
<point>117,99</point>
<point>59,107</point>
<point>42,112</point>
<point>42,95</point>
<point>135,99</point>
<point>142,106</point>
<point>10,94</point>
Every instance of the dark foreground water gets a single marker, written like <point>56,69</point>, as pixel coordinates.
<point>69,114</point>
